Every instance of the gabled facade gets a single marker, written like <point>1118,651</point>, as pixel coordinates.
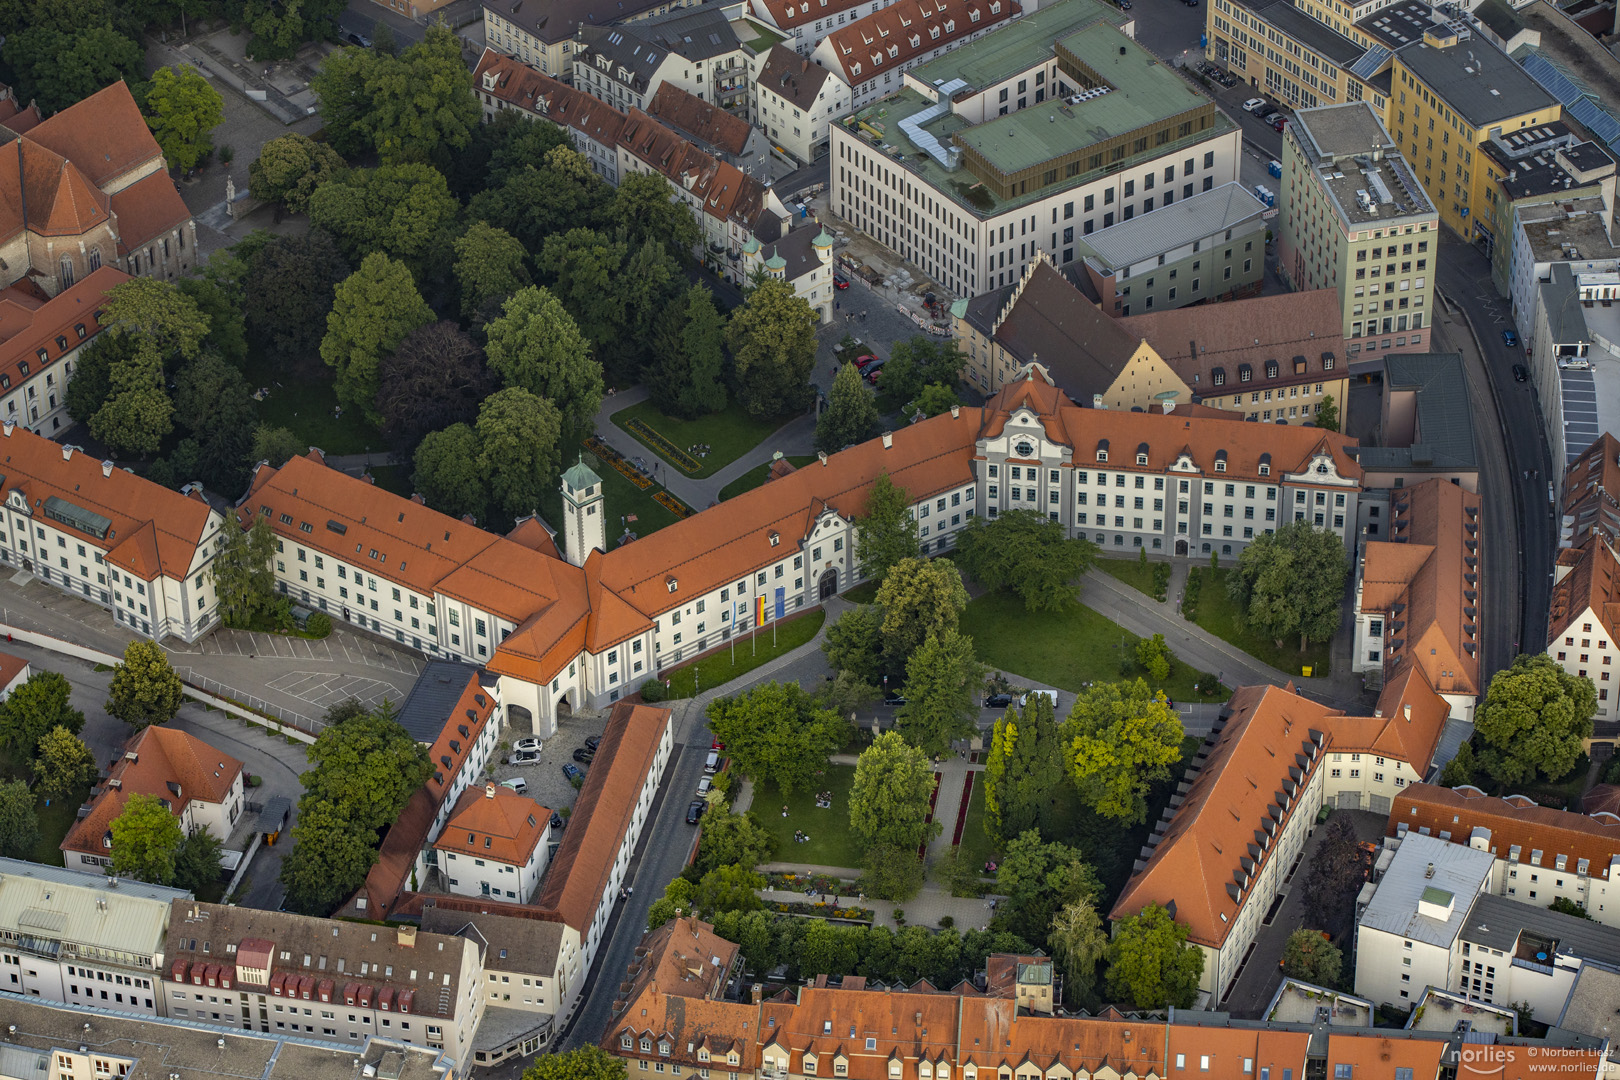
<point>502,82</point>
<point>696,51</point>
<point>872,53</point>
<point>494,844</point>
<point>795,101</point>
<point>804,23</point>
<point>40,343</point>
<point>544,33</point>
<point>802,260</point>
<point>1583,626</point>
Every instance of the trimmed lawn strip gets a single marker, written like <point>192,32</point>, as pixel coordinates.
<point>622,498</point>
<point>717,668</point>
<point>1067,648</point>
<point>730,433</point>
<point>1132,573</point>
<point>753,478</point>
<point>1217,614</point>
<point>831,843</point>
<point>304,402</point>
<point>977,846</point>
<point>864,593</point>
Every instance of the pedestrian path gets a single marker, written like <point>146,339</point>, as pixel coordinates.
<point>927,908</point>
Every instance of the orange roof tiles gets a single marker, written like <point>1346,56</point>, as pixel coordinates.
<point>396,858</point>
<point>13,669</point>
<point>148,209</point>
<point>104,135</point>
<point>497,823</point>
<point>683,958</point>
<point>1591,501</point>
<point>174,766</point>
<point>1408,722</point>
<point>895,36</point>
<point>1513,821</point>
<point>27,325</point>
<point>787,14</point>
<point>1589,587</point>
<point>580,869</point>
<point>462,727</point>
<point>506,79</point>
<point>699,119</point>
<point>1373,1054</point>
<point>16,117</point>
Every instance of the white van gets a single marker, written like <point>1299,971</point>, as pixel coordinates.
<point>1050,695</point>
<point>712,763</point>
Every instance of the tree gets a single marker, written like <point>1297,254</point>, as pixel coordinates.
<point>64,764</point>
<point>1337,870</point>
<point>886,533</point>
<point>220,300</point>
<point>1027,554</point>
<point>1079,942</point>
<point>889,800</point>
<point>66,50</point>
<point>536,345</point>
<point>851,414</point>
<point>396,209</point>
<point>158,316</point>
<point>519,451</point>
<point>292,280</point>
<point>290,168</point>
<point>196,864</point>
<point>421,102</point>
<point>775,733</point>
<point>732,840</point>
<point>448,474</point>
<point>137,414</point>
<point>728,888</point>
<point>1327,413</point>
<point>344,99</point>
<point>435,378</point>
<point>644,208</point>
<point>329,860</point>
<point>145,836</point>
<point>35,709</point>
<point>19,828</point>
<point>145,690</point>
<point>854,644</point>
<point>703,346</point>
<point>582,1063</point>
<point>891,873</point>
<point>279,29</point>
<point>368,768</point>
<point>242,577</point>
<point>773,349</point>
<point>535,201</point>
<point>213,402</point>
<point>1460,769</point>
<point>372,311</point>
<point>1026,783</point>
<point>943,679</point>
<point>919,598</point>
<point>915,365</point>
<point>1122,738</point>
<point>1534,716</point>
<point>276,445</point>
<point>182,109</point>
<point>490,265</point>
<point>1150,963</point>
<point>91,384</point>
<point>1290,582</point>
<point>936,398</point>
<point>1153,656</point>
<point>1565,906</point>
<point>1039,877</point>
<point>1311,957</point>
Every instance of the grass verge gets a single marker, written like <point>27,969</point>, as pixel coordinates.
<point>1066,648</point>
<point>1140,577</point>
<point>54,820</point>
<point>622,499</point>
<point>831,843</point>
<point>1215,612</point>
<point>755,477</point>
<point>303,403</point>
<point>729,433</point>
<point>977,847</point>
<point>717,668</point>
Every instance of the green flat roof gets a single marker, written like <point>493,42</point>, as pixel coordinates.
<point>1018,46</point>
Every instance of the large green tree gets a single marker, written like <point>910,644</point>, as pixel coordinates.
<point>519,451</point>
<point>280,27</point>
<point>243,579</point>
<point>448,474</point>
<point>535,344</point>
<point>64,764</point>
<point>34,709</point>
<point>329,859</point>
<point>371,313</point>
<point>182,109</point>
<point>854,644</point>
<point>888,803</point>
<point>398,210</point>
<point>145,689</point>
<point>490,265</point>
<point>1039,877</point>
<point>417,106</point>
<point>19,828</point>
<point>138,414</point>
<point>1150,964</point>
<point>1028,554</point>
<point>214,405</point>
<point>919,598</point>
<point>773,349</point>
<point>1079,944</point>
<point>368,767</point>
<point>1289,583</point>
<point>1337,871</point>
<point>62,51</point>
<point>886,533</point>
<point>535,201</point>
<point>644,208</point>
<point>435,378</point>
<point>731,839</point>
<point>292,280</point>
<point>1122,737</point>
<point>290,168</point>
<point>145,837</point>
<point>851,414</point>
<point>1310,957</point>
<point>197,862</point>
<point>775,732</point>
<point>1533,720</point>
<point>685,368</point>
<point>1026,784</point>
<point>582,1063</point>
<point>914,366</point>
<point>943,682</point>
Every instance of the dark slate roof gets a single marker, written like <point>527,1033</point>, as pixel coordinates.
<point>434,698</point>
<point>1497,922</point>
<point>1566,320</point>
<point>796,247</point>
<point>1478,80</point>
<point>1324,40</point>
<point>1445,427</point>
<point>557,20</point>
<point>793,76</point>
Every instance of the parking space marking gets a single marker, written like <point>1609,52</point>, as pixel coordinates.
<point>325,689</point>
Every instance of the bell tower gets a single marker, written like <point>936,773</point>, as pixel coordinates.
<point>584,513</point>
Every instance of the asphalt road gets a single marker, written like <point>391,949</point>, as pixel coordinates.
<point>1519,536</point>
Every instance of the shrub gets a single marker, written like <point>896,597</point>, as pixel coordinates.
<point>318,625</point>
<point>654,691</point>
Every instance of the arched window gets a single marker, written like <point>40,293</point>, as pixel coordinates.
<point>67,271</point>
<point>95,259</point>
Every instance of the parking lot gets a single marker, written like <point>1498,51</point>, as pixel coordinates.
<point>546,783</point>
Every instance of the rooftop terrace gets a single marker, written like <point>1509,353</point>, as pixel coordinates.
<point>1019,46</point>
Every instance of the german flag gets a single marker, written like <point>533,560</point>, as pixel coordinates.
<point>759,610</point>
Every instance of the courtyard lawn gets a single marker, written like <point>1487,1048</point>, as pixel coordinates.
<point>54,820</point>
<point>977,846</point>
<point>766,38</point>
<point>754,477</point>
<point>1132,572</point>
<point>831,843</point>
<point>752,651</point>
<point>1219,615</point>
<point>729,434</point>
<point>1067,648</point>
<point>622,499</point>
<point>303,403</point>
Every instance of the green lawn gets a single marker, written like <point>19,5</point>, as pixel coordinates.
<point>1067,648</point>
<point>752,651</point>
<point>831,843</point>
<point>766,38</point>
<point>977,847</point>
<point>730,433</point>
<point>753,478</point>
<point>304,403</point>
<point>54,820</point>
<point>1217,614</point>
<point>864,593</point>
<point>1132,572</point>
<point>622,498</point>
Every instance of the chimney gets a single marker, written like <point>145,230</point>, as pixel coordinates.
<point>107,467</point>
<point>407,937</point>
<point>489,789</point>
<point>822,454</point>
<point>8,426</point>
<point>888,439</point>
<point>1408,714</point>
<point>956,410</point>
<point>757,994</point>
<point>67,453</point>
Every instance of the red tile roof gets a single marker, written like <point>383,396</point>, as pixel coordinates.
<point>172,765</point>
<point>13,669</point>
<point>28,325</point>
<point>791,76</point>
<point>148,210</point>
<point>787,14</point>
<point>896,36</point>
<point>389,876</point>
<point>456,739</point>
<point>104,135</point>
<point>1513,821</point>
<point>507,79</point>
<point>699,119</point>
<point>495,822</point>
<point>1591,500</point>
<point>1589,586</point>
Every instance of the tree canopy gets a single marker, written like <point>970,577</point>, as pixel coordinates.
<point>776,732</point>
<point>886,533</point>
<point>1310,957</point>
<point>1026,783</point>
<point>1533,720</point>
<point>1150,963</point>
<point>1289,583</point>
<point>242,576</point>
<point>1122,738</point>
<point>145,689</point>
<point>1028,554</point>
<point>919,597</point>
<point>367,767</point>
<point>586,1062</point>
<point>372,311</point>
<point>889,801</point>
<point>417,106</point>
<point>396,210</point>
<point>490,265</point>
<point>19,828</point>
<point>435,378</point>
<point>34,709</point>
<point>773,348</point>
<point>64,764</point>
<point>292,280</point>
<point>289,169</point>
<point>519,452</point>
<point>537,345</point>
<point>851,414</point>
<point>145,838</point>
<point>943,682</point>
<point>182,109</point>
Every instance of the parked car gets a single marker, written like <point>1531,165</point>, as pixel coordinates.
<point>1253,104</point>
<point>573,772</point>
<point>1280,122</point>
<point>712,762</point>
<point>703,786</point>
<point>584,756</point>
<point>525,757</point>
<point>556,820</point>
<point>517,784</point>
<point>894,697</point>
<point>998,701</point>
<point>716,744</point>
<point>527,746</point>
<point>592,742</point>
<point>840,282</point>
<point>873,371</point>
<point>696,810</point>
<point>864,362</point>
<point>1050,695</point>
<point>1510,339</point>
<point>1520,374</point>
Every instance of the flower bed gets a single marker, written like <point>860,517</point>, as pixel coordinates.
<point>819,882</point>
<point>825,911</point>
<point>666,449</point>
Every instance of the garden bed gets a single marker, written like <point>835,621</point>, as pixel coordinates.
<point>727,435</point>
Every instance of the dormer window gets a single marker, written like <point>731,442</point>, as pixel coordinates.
<point>1142,454</point>
<point>995,7</point>
<point>916,40</point>
<point>1218,376</point>
<point>1245,373</point>
<point>973,16</point>
<point>1271,369</point>
<point>625,1041</point>
<point>1220,461</point>
<point>776,538</point>
<point>933,32</point>
<point>894,1069</point>
<point>1265,470</point>
<point>809,1065</point>
<point>950,26</point>
<point>646,1045</point>
<point>671,584</point>
<point>663,1047</point>
<point>894,51</point>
